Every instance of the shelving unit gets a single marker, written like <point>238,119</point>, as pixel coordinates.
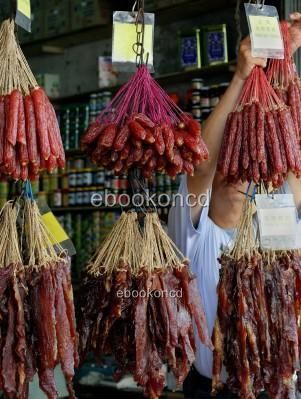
<point>163,80</point>
<point>56,45</point>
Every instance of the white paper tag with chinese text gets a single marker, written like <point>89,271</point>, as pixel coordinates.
<point>265,32</point>
<point>278,222</point>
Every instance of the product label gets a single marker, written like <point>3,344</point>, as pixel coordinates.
<point>125,37</point>
<point>216,46</point>
<point>278,224</point>
<point>23,14</point>
<point>57,233</point>
<point>266,38</point>
<point>189,52</point>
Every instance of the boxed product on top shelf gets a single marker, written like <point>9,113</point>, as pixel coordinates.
<point>90,12</point>
<point>204,46</point>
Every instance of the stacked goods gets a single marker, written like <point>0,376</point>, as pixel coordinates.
<point>143,128</point>
<point>283,77</point>
<point>30,139</point>
<point>50,300</point>
<point>152,325</point>
<point>260,139</point>
<point>37,321</point>
<point>256,335</point>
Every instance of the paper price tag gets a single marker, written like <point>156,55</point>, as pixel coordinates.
<point>266,38</point>
<point>57,233</point>
<point>278,226</point>
<point>23,14</point>
<point>125,36</point>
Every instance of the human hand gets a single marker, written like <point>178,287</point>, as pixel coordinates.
<point>246,62</point>
<point>295,31</point>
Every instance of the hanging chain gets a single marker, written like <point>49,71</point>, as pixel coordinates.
<point>138,47</point>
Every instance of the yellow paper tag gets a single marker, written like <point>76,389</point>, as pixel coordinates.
<point>125,36</point>
<point>57,233</point>
<point>24,7</point>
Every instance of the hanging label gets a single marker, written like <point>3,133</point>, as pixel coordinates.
<point>57,233</point>
<point>265,33</point>
<point>125,38</point>
<point>278,222</point>
<point>23,14</point>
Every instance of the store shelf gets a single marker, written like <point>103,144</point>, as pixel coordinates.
<point>163,80</point>
<point>167,15</point>
<point>182,76</point>
<point>80,209</point>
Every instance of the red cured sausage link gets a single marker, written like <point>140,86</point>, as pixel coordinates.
<point>179,139</point>
<point>144,121</point>
<point>192,143</point>
<point>108,136</point>
<point>121,138</point>
<point>51,163</point>
<point>169,140</point>
<point>137,130</point>
<point>21,134</point>
<point>118,166</point>
<point>224,142</point>
<point>252,131</point>
<point>148,153</point>
<point>286,139</point>
<point>150,138</point>
<point>188,167</point>
<point>225,162</point>
<point>125,151</point>
<point>2,128</point>
<point>24,172</point>
<point>92,133</point>
<point>255,172</point>
<point>274,142</point>
<point>159,141</point>
<point>281,143</point>
<point>294,141</point>
<point>172,170</point>
<point>298,109</point>
<point>194,127</point>
<point>114,156</point>
<point>12,116</point>
<point>177,160</point>
<point>22,154</point>
<point>53,134</point>
<point>245,139</point>
<point>233,168</point>
<point>260,132</point>
<point>161,163</point>
<point>31,133</point>
<point>292,104</point>
<point>186,154</point>
<point>10,154</point>
<point>204,153</point>
<point>39,101</point>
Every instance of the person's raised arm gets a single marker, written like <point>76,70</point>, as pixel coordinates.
<point>213,129</point>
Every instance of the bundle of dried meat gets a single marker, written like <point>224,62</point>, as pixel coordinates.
<point>256,330</point>
<point>30,139</point>
<point>157,312</point>
<point>14,358</point>
<point>260,139</point>
<point>143,128</point>
<point>285,81</point>
<point>51,332</point>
